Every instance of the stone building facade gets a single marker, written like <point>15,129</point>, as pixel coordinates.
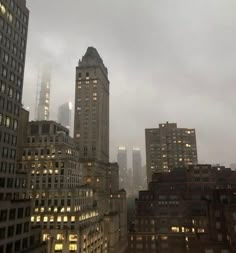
<point>63,207</point>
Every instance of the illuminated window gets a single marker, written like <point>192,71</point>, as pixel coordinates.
<point>51,218</point>
<point>65,219</point>
<point>73,238</point>
<point>164,237</point>
<point>32,218</point>
<point>58,246</point>
<point>45,218</point>
<point>73,218</point>
<point>59,218</point>
<point>175,229</point>
<point>73,247</point>
<point>3,9</point>
<point>46,237</point>
<point>201,230</point>
<point>38,218</point>
<point>60,237</point>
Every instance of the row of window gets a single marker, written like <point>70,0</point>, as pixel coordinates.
<point>9,106</point>
<point>8,122</point>
<point>7,167</point>
<point>14,63</point>
<point>11,62</point>
<point>8,26</point>
<point>12,78</point>
<point>14,230</point>
<point>8,153</point>
<point>10,91</point>
<point>11,4</point>
<point>12,183</point>
<point>14,213</point>
<point>18,245</point>
<point>8,138</point>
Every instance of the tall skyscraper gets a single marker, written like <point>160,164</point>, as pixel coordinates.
<point>43,94</point>
<point>64,115</point>
<point>168,147</point>
<point>137,169</point>
<point>91,133</point>
<point>123,166</point>
<point>15,230</point>
<point>91,123</point>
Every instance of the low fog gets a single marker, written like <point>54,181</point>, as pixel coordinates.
<point>167,61</point>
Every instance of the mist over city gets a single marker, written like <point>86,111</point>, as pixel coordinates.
<point>167,61</point>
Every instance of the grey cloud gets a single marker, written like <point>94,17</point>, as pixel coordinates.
<point>167,60</point>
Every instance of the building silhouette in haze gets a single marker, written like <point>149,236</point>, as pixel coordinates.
<point>65,114</point>
<point>43,94</point>
<point>137,170</point>
<point>123,166</point>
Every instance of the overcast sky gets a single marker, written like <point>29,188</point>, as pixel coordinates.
<point>168,60</point>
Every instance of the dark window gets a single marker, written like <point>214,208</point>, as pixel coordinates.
<point>10,231</point>
<point>27,212</point>
<point>26,227</point>
<point>45,128</point>
<point>17,245</point>
<point>9,248</point>
<point>2,233</point>
<point>3,215</point>
<point>25,243</point>
<point>12,214</point>
<point>2,182</point>
<point>20,212</point>
<point>18,229</point>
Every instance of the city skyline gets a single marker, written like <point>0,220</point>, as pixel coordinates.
<point>71,173</point>
<point>182,66</point>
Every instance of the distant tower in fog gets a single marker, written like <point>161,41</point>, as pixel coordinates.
<point>43,94</point>
<point>64,115</point>
<point>137,169</point>
<point>122,162</point>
